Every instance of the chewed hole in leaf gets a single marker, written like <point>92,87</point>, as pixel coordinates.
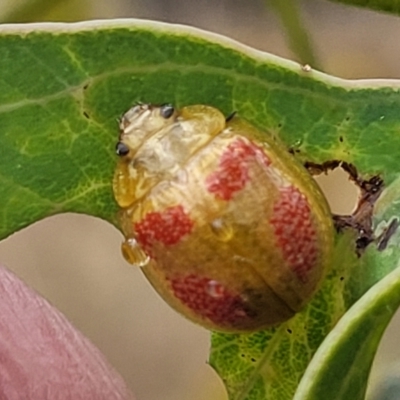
<point>359,215</point>
<point>341,192</point>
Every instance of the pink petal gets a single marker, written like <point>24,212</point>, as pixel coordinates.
<point>43,357</point>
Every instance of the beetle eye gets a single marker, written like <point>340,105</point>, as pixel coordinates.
<point>166,110</point>
<point>121,149</point>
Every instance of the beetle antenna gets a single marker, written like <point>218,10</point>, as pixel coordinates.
<point>230,116</point>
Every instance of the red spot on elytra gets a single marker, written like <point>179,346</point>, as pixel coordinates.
<point>232,173</point>
<point>210,299</point>
<point>294,231</point>
<point>167,227</point>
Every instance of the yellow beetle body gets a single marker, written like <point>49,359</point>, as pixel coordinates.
<point>227,226</point>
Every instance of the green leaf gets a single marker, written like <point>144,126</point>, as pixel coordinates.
<point>341,366</point>
<point>63,88</point>
<point>390,6</point>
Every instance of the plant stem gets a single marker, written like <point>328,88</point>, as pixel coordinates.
<point>298,38</point>
<point>29,11</point>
